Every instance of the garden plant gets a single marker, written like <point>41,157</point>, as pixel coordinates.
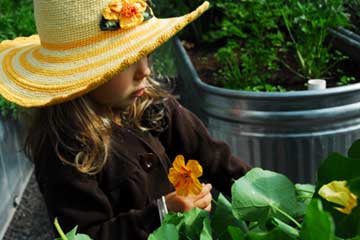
<point>273,45</point>
<point>197,30</point>
<point>353,7</point>
<point>267,205</point>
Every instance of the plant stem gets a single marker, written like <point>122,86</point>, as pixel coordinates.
<point>304,197</point>
<point>307,191</point>
<point>60,231</point>
<point>253,226</point>
<point>331,66</point>
<point>293,232</point>
<point>292,70</point>
<point>288,216</point>
<point>300,57</point>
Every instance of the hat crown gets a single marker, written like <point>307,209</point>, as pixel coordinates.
<point>66,21</point>
<point>80,45</point>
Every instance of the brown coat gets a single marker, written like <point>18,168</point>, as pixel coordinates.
<point>119,203</point>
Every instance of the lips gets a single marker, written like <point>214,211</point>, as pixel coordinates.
<point>139,92</point>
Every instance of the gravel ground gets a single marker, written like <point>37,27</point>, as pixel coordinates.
<point>30,221</point>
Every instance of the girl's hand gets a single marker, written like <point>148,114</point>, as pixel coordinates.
<point>176,203</point>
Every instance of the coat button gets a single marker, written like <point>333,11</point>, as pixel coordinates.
<point>147,161</point>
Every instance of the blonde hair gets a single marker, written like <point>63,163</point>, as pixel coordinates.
<point>81,137</point>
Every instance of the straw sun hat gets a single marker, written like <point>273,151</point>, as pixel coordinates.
<point>80,45</point>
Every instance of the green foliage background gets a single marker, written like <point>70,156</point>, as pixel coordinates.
<point>257,39</point>
<point>16,19</point>
<point>353,6</point>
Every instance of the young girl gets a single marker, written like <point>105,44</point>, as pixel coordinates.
<point>104,134</point>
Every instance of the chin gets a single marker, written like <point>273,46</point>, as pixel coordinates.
<point>122,106</point>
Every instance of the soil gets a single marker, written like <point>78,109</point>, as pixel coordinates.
<point>206,65</point>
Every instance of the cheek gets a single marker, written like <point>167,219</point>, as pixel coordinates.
<point>122,82</point>
<point>115,90</point>
<point>118,87</point>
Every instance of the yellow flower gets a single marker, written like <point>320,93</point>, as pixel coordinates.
<point>337,192</point>
<point>112,11</point>
<point>184,178</point>
<point>129,13</point>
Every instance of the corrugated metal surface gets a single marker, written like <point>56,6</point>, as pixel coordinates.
<point>15,170</point>
<point>289,132</point>
<point>347,41</point>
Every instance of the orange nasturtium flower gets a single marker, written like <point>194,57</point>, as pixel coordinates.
<point>185,178</point>
<point>337,192</point>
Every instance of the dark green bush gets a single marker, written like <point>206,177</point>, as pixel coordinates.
<point>197,29</point>
<point>263,35</point>
<point>353,7</point>
<point>16,19</point>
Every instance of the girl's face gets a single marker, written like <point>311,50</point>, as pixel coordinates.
<point>125,87</point>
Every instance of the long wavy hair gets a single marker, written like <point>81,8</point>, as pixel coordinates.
<point>80,136</point>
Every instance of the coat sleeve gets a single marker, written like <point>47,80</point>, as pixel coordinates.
<point>188,136</point>
<point>76,199</point>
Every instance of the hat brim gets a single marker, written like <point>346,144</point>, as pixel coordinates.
<point>34,73</point>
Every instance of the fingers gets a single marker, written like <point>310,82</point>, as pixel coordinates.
<point>177,203</point>
<point>205,190</point>
<point>208,208</point>
<point>204,202</point>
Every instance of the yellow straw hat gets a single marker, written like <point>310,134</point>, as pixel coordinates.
<point>80,45</point>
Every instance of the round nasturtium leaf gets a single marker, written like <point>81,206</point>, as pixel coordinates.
<point>318,224</point>
<point>261,194</point>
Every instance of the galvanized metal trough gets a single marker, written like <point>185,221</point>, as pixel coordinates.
<point>15,170</point>
<point>288,132</point>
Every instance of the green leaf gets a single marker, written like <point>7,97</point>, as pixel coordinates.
<point>275,234</point>
<point>165,231</point>
<point>206,230</point>
<point>81,237</point>
<point>354,151</point>
<point>191,224</point>
<point>304,194</point>
<point>235,233</point>
<point>223,217</point>
<point>261,194</point>
<point>70,235</point>
<point>354,238</point>
<point>338,167</point>
<point>318,224</point>
<point>73,236</point>
<point>354,186</point>
<point>304,191</point>
<point>285,228</point>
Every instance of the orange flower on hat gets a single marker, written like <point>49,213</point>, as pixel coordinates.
<point>185,177</point>
<point>112,11</point>
<point>129,13</point>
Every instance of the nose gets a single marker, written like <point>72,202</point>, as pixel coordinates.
<point>142,69</point>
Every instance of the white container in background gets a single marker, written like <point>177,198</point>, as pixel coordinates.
<point>316,84</point>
